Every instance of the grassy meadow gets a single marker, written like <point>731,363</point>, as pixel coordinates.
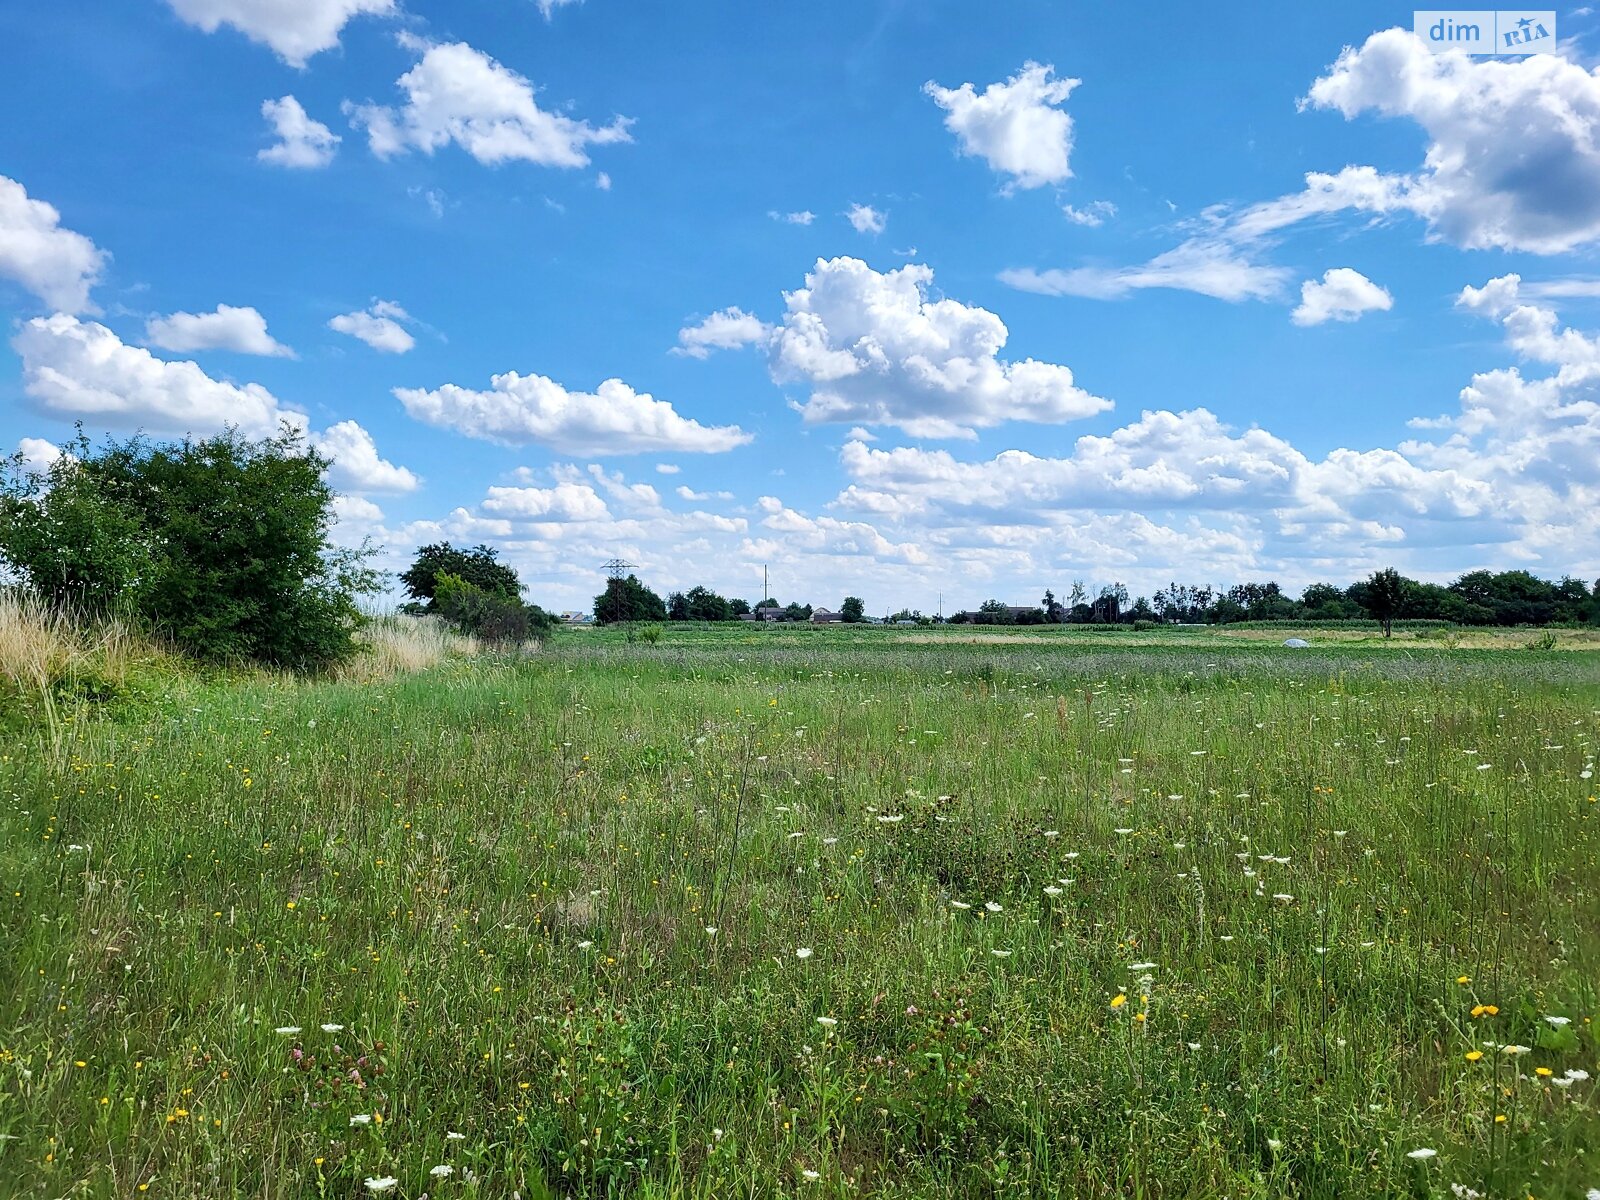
<point>821,913</point>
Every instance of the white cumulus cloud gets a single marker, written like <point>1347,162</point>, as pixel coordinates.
<point>80,370</point>
<point>459,94</point>
<point>866,219</point>
<point>294,29</point>
<point>302,142</point>
<point>378,326</point>
<point>1342,294</point>
<point>1513,154</point>
<point>522,409</point>
<point>357,466</point>
<point>727,329</point>
<point>875,349</point>
<point>54,263</point>
<point>803,217</point>
<point>1017,127</point>
<point>241,330</point>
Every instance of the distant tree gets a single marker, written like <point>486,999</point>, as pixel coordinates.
<point>769,602</point>
<point>1108,605</point>
<point>796,611</point>
<point>1385,595</point>
<point>738,608</point>
<point>628,600</point>
<point>677,606</point>
<point>994,612</point>
<point>1054,611</point>
<point>705,605</point>
<point>1141,611</point>
<point>479,566</point>
<point>1326,602</point>
<point>852,610</point>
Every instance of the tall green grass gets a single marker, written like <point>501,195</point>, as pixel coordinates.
<point>826,919</point>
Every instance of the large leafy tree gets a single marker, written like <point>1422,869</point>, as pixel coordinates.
<point>628,600</point>
<point>479,566</point>
<point>1384,596</point>
<point>220,544</point>
<point>852,610</point>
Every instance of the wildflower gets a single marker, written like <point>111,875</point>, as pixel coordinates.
<point>1558,1022</point>
<point>1120,1000</point>
<point>1274,1145</point>
<point>584,945</point>
<point>1124,832</point>
<point>287,1029</point>
<point>803,952</point>
<point>1543,1072</point>
<point>827,1022</point>
<point>1421,1153</point>
<point>711,931</point>
<point>1001,953</point>
<point>1464,979</point>
<point>453,1136</point>
<point>810,1174</point>
<point>442,1171</point>
<point>1514,1050</point>
<point>959,904</point>
<point>331,1028</point>
<point>361,1119</point>
<point>1195,1046</point>
<point>1141,966</point>
<point>1474,1055</point>
<point>386,1183</point>
<point>1052,890</point>
<point>992,906</point>
<point>898,817</point>
<point>1283,897</point>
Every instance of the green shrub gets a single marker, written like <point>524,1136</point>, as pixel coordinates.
<point>221,545</point>
<point>492,616</point>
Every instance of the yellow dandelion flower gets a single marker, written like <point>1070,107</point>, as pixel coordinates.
<point>1543,1072</point>
<point>1119,1001</point>
<point>1474,1055</point>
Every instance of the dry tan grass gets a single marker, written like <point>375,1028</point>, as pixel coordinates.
<point>397,644</point>
<point>40,645</point>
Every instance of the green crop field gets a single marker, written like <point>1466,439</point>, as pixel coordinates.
<point>868,912</point>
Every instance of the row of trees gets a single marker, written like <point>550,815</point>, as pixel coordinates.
<point>627,599</point>
<point>1476,598</point>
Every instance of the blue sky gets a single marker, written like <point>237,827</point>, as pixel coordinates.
<point>900,298</point>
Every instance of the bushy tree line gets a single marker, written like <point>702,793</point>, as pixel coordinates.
<point>218,545</point>
<point>1476,598</point>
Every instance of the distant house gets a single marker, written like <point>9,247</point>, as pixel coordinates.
<point>823,616</point>
<point>767,612</point>
<point>577,618</point>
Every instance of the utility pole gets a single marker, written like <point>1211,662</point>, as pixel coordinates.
<point>614,569</point>
<point>764,592</point>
